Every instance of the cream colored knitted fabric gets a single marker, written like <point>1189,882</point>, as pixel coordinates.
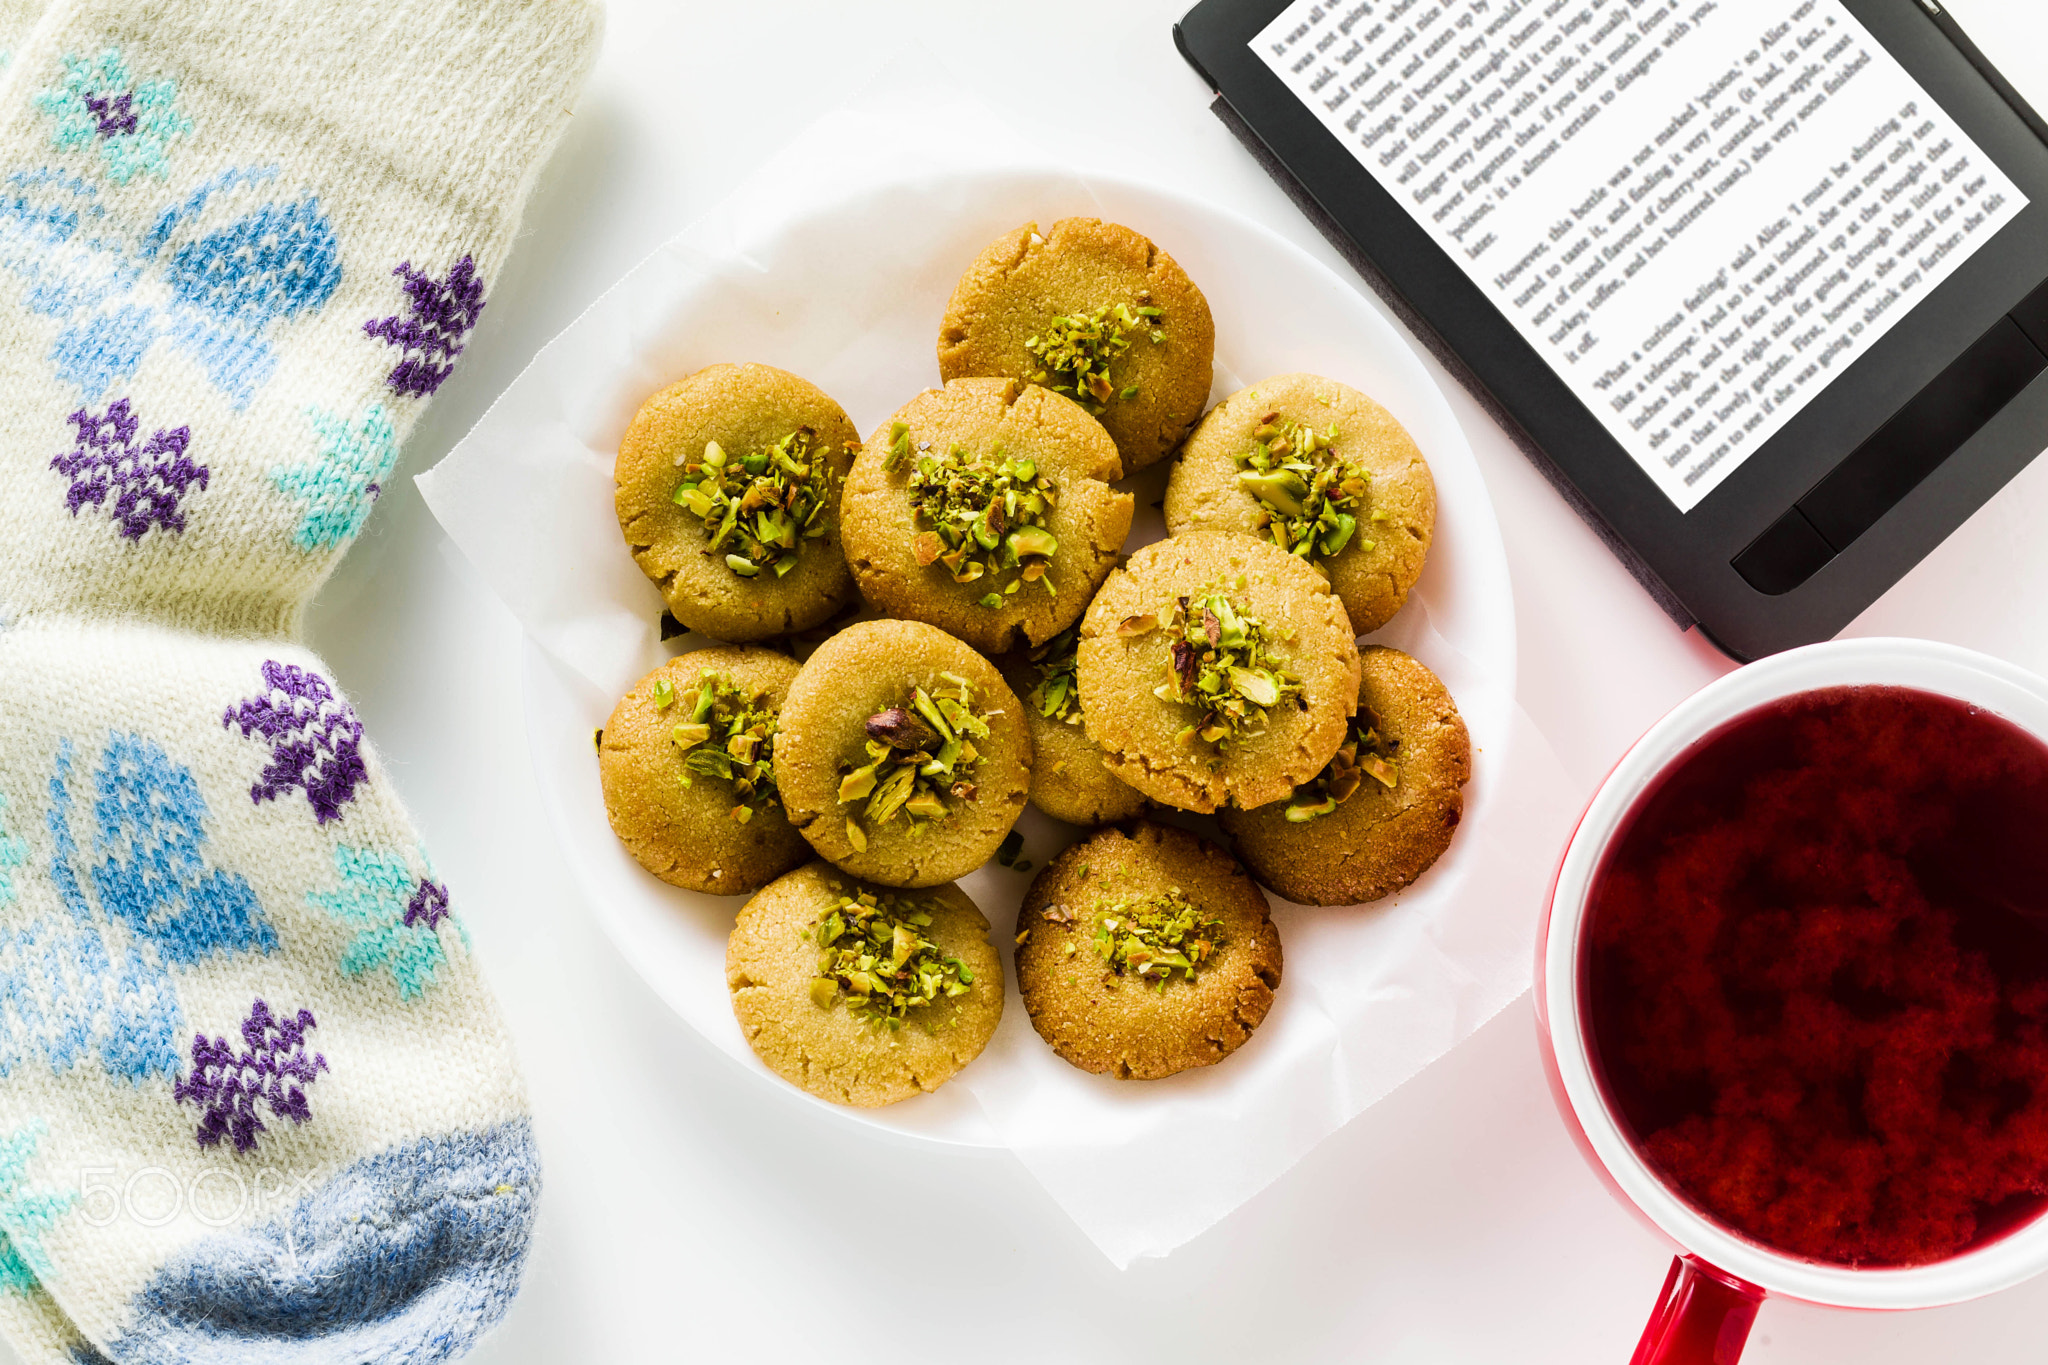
<point>255,1102</point>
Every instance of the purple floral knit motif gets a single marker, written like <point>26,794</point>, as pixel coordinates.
<point>443,313</point>
<point>428,906</point>
<point>272,1072</point>
<point>114,113</point>
<point>316,742</point>
<point>147,482</point>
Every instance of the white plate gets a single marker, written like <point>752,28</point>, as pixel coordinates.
<point>1276,310</point>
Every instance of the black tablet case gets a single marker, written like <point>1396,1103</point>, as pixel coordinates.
<point>2000,442</point>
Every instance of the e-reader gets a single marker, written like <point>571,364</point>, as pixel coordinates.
<point>1762,285</point>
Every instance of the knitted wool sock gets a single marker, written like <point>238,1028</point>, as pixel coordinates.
<point>255,1102</point>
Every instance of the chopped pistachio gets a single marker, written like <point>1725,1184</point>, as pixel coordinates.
<point>729,737</point>
<point>1365,752</point>
<point>1132,626</point>
<point>1152,937</point>
<point>899,729</point>
<point>664,694</point>
<point>899,445</point>
<point>759,509</point>
<point>919,754</point>
<point>1310,496</point>
<point>1077,350</point>
<point>1218,661</point>
<point>981,519</point>
<point>1058,693</point>
<point>875,960</point>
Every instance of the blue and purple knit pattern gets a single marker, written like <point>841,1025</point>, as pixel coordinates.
<point>270,1073</point>
<point>218,359</point>
<point>402,1258</point>
<point>316,742</point>
<point>146,480</point>
<point>443,313</point>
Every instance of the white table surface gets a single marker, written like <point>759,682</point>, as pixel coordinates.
<point>695,1213</point>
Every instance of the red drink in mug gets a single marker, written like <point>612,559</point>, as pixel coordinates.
<point>1794,986</point>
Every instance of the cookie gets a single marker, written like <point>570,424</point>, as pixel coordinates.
<point>1145,951</point>
<point>1094,311</point>
<point>984,508</point>
<point>903,757</point>
<point>1321,470</point>
<point>1216,667</point>
<point>1068,781</point>
<point>1386,807</point>
<point>728,491</point>
<point>686,762</point>
<point>924,1006</point>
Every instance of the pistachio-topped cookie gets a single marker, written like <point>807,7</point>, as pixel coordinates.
<point>984,508</point>
<point>1145,950</point>
<point>1384,809</point>
<point>1093,311</point>
<point>686,763</point>
<point>1068,780</point>
<point>859,994</point>
<point>902,756</point>
<point>728,491</point>
<point>1324,473</point>
<point>1216,667</point>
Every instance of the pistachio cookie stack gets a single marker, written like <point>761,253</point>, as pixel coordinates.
<point>975,639</point>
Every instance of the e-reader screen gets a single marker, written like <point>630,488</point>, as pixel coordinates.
<point>1697,212</point>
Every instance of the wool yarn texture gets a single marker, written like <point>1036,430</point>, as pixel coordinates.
<point>256,1101</point>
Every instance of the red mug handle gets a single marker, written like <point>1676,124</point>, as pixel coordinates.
<point>1702,1317</point>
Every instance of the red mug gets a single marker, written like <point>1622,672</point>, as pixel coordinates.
<point>1719,1276</point>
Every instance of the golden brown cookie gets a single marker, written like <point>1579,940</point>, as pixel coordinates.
<point>1068,781</point>
<point>984,508</point>
<point>1094,311</point>
<point>728,493</point>
<point>1322,470</point>
<point>1216,667</point>
<point>924,1006</point>
<point>903,757</point>
<point>1146,951</point>
<point>686,765</point>
<point>1386,807</point>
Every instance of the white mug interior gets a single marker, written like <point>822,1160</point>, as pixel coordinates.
<point>1976,679</point>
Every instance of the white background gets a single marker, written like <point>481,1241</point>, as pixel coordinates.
<point>695,1213</point>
